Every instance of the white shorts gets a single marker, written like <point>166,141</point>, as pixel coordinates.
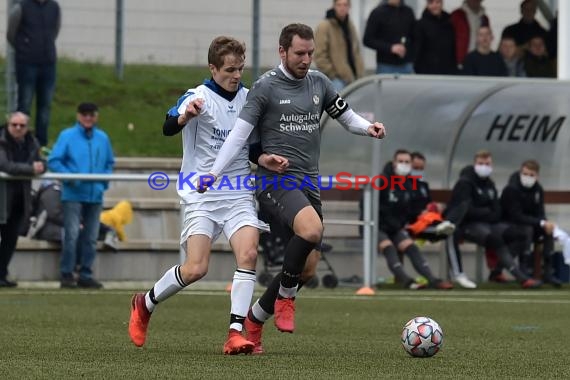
<point>214,217</point>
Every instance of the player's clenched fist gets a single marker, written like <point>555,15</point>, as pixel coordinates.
<point>204,182</point>
<point>193,109</point>
<point>377,130</point>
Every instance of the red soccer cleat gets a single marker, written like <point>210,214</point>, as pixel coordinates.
<point>442,285</point>
<point>531,283</point>
<point>285,314</point>
<point>253,332</point>
<point>140,316</point>
<point>237,344</point>
<point>498,277</point>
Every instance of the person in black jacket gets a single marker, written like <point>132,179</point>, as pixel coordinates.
<point>522,202</point>
<point>483,61</point>
<point>390,31</point>
<point>33,27</point>
<point>395,212</point>
<point>480,223</point>
<point>19,155</point>
<point>434,41</point>
<point>423,209</point>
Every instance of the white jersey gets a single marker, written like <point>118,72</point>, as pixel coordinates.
<point>202,138</point>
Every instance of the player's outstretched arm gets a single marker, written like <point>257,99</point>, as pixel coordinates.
<point>338,109</point>
<point>354,123</point>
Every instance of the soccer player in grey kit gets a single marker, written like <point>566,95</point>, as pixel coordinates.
<point>284,107</point>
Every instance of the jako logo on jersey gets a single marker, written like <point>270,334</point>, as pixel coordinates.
<point>285,101</point>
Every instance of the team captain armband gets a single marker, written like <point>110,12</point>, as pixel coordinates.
<point>337,107</point>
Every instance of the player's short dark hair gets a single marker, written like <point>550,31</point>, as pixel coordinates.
<point>419,155</point>
<point>222,46</point>
<point>401,151</point>
<point>287,33</point>
<point>531,165</point>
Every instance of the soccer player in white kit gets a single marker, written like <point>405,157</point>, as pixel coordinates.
<point>205,115</point>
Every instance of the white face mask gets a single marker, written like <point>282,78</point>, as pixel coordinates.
<point>403,169</point>
<point>483,171</point>
<point>527,181</point>
<point>419,173</point>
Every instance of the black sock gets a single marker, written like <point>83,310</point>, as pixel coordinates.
<point>267,300</point>
<point>234,318</point>
<point>294,260</point>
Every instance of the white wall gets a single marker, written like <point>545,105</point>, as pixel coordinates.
<point>179,31</point>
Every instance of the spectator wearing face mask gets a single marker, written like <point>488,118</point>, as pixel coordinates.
<point>476,192</point>
<point>395,213</point>
<point>522,202</point>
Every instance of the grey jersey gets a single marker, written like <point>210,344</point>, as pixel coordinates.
<point>286,113</point>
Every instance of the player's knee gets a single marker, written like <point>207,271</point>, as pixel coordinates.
<point>384,244</point>
<point>313,234</point>
<point>193,272</point>
<point>248,258</point>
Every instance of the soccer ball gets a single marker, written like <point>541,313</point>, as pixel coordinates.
<point>422,337</point>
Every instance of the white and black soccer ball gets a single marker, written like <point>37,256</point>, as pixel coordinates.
<point>422,337</point>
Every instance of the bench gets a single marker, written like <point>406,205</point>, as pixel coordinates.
<point>441,196</point>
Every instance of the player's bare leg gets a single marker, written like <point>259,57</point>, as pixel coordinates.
<point>175,279</point>
<point>244,244</point>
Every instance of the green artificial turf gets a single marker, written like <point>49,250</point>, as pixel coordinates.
<point>488,334</point>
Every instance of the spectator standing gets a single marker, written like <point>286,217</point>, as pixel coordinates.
<point>434,41</point>
<point>82,148</point>
<point>510,54</point>
<point>337,52</point>
<point>537,63</point>
<point>33,26</point>
<point>527,27</point>
<point>19,155</point>
<point>390,31</point>
<point>466,21</point>
<point>484,61</point>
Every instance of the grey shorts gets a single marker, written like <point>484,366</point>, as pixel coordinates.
<point>395,238</point>
<point>282,205</point>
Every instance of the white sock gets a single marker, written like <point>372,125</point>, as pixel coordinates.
<point>258,312</point>
<point>287,292</point>
<point>242,291</point>
<point>170,284</point>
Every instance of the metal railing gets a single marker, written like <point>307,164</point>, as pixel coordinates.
<point>370,218</point>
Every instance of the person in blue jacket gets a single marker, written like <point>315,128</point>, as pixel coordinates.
<point>82,148</point>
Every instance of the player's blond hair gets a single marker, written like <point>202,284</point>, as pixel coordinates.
<point>222,46</point>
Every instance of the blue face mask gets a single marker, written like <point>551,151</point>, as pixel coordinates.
<point>418,173</point>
